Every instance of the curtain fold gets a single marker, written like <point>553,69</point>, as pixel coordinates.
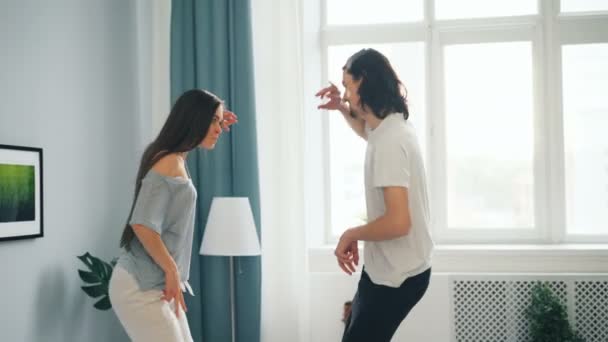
<point>211,48</point>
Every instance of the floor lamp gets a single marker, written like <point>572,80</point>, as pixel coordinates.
<point>230,231</point>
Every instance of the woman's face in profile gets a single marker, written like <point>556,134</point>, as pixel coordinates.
<point>215,129</point>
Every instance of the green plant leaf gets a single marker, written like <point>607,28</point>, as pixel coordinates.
<point>86,259</point>
<point>99,275</point>
<point>89,277</point>
<point>103,304</point>
<point>95,290</point>
<point>548,317</point>
<point>107,270</point>
<point>97,267</point>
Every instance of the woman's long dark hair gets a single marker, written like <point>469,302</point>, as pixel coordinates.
<point>185,128</point>
<point>380,89</point>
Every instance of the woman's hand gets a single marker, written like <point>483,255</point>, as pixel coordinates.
<point>229,119</point>
<point>335,98</point>
<point>173,291</point>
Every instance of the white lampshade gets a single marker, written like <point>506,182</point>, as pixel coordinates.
<point>230,229</point>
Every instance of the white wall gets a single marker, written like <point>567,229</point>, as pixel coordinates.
<point>68,84</point>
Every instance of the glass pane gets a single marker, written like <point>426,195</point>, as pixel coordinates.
<point>584,5</point>
<point>585,80</point>
<point>450,9</point>
<point>347,150</point>
<point>490,142</point>
<point>361,12</point>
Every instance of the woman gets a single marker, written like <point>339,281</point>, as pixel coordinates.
<point>150,276</point>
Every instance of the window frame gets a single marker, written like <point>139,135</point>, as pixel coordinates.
<point>571,28</point>
<point>547,31</point>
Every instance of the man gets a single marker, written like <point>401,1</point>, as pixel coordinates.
<point>398,243</point>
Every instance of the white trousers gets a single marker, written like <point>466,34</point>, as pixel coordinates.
<point>143,314</point>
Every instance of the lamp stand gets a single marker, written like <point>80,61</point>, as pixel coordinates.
<point>232,296</point>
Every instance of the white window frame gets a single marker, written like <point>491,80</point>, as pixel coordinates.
<point>547,31</point>
<point>570,29</point>
<point>484,31</point>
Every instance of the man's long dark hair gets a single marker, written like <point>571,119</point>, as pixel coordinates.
<point>184,130</point>
<point>380,90</point>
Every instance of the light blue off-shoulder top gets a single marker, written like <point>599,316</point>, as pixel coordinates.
<point>166,205</point>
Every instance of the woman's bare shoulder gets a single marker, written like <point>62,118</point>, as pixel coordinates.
<point>168,165</point>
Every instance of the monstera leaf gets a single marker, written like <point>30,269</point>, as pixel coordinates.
<point>97,279</point>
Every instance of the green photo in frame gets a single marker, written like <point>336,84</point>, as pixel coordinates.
<point>20,192</point>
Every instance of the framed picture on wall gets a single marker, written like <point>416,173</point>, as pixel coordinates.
<point>20,192</point>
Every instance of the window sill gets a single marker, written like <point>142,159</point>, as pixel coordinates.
<point>526,249</point>
<point>559,258</point>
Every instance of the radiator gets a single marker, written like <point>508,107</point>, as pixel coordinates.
<point>492,307</point>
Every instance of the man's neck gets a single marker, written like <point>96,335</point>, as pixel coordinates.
<point>372,120</point>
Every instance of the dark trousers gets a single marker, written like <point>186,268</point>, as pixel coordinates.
<point>378,310</point>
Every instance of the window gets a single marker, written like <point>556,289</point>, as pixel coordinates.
<point>506,98</point>
<point>585,80</point>
<point>584,5</point>
<point>463,9</point>
<point>359,12</point>
<point>489,135</point>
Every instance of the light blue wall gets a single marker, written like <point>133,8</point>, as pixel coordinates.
<point>68,84</point>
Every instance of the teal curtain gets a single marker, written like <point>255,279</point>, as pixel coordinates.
<point>211,49</point>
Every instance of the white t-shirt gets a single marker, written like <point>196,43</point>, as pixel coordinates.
<point>393,158</point>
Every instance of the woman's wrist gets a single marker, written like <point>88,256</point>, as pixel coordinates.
<point>170,268</point>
